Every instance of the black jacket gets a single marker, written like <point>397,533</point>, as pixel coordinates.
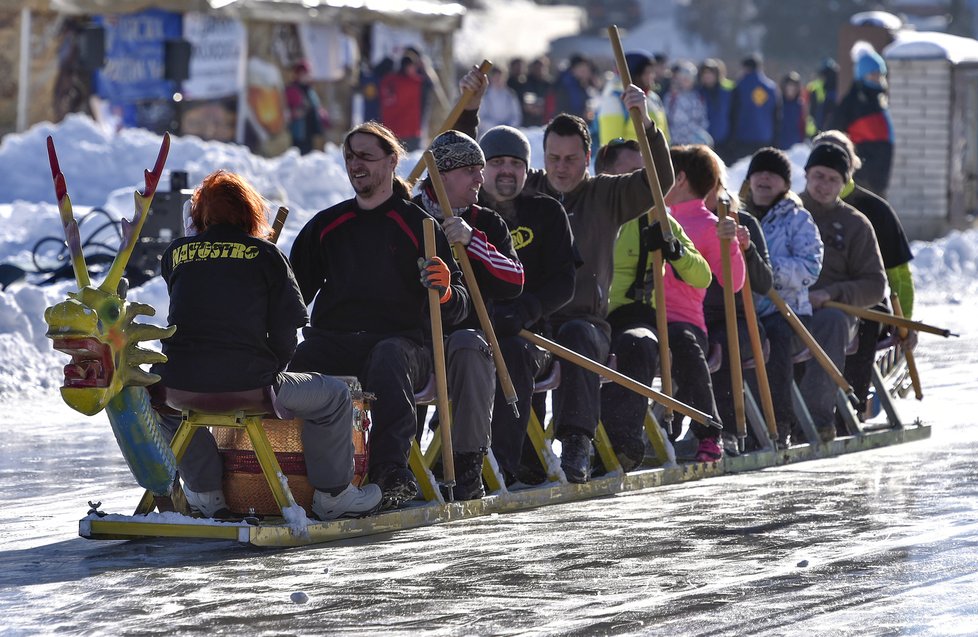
<point>361,267</point>
<point>236,306</point>
<point>894,247</point>
<point>542,237</point>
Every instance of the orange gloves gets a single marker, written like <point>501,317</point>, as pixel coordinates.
<point>436,275</point>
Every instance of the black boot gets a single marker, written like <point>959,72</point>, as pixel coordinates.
<point>468,476</point>
<point>575,458</point>
<point>396,482</point>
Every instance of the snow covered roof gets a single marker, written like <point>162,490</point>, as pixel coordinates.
<point>926,45</point>
<point>424,15</point>
<point>876,19</point>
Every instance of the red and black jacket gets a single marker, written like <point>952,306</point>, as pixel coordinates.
<point>497,267</point>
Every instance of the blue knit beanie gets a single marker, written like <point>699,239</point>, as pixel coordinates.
<point>869,62</point>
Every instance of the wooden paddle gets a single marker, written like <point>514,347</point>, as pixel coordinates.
<point>450,120</point>
<point>657,213</point>
<point>441,374</point>
<point>619,378</point>
<point>889,319</point>
<point>812,345</point>
<point>470,281</point>
<point>733,339</point>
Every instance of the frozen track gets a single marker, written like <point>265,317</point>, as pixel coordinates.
<point>876,543</point>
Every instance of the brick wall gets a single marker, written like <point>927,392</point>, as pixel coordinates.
<point>920,105</point>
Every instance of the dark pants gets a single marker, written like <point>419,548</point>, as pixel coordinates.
<point>859,366</point>
<point>577,405</point>
<point>784,343</point>
<point>622,410</point>
<point>722,381</point>
<point>691,375</point>
<point>389,366</point>
<point>525,363</point>
<point>833,330</point>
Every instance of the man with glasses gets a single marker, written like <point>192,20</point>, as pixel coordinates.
<point>359,260</point>
<point>852,273</point>
<point>597,207</point>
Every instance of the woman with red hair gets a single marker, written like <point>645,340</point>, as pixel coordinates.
<point>236,306</point>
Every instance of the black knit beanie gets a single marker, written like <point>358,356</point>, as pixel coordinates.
<point>830,156</point>
<point>770,160</point>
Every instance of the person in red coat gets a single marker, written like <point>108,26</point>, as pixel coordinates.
<point>402,101</point>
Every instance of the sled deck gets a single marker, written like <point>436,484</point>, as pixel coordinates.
<point>276,532</point>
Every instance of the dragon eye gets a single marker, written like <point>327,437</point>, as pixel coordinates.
<point>112,312</point>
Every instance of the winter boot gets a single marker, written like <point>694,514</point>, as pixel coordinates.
<point>575,458</point>
<point>468,476</point>
<point>352,502</point>
<point>397,484</point>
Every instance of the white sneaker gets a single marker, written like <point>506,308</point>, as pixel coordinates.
<point>351,502</point>
<point>210,504</point>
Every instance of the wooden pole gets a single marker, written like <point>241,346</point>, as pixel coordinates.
<point>453,116</point>
<point>441,374</point>
<point>760,366</point>
<point>911,363</point>
<point>889,319</point>
<point>619,378</point>
<point>733,342</point>
<point>812,345</point>
<point>657,213</point>
<point>470,281</point>
<point>279,223</point>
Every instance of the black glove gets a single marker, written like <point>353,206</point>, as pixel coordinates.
<point>654,240</point>
<point>510,318</point>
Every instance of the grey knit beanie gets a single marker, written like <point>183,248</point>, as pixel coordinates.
<point>506,141</point>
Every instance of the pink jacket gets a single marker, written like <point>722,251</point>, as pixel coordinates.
<point>684,303</point>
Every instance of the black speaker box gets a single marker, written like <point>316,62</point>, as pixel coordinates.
<point>91,47</point>
<point>176,60</point>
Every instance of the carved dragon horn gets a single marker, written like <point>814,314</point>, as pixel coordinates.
<point>131,229</point>
<point>68,222</point>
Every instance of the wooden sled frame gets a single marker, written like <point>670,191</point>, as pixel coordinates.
<point>889,376</point>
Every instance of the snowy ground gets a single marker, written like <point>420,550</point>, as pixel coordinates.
<point>878,543</point>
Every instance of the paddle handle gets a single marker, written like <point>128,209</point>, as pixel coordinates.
<point>470,281</point>
<point>616,377</point>
<point>733,339</point>
<point>657,213</point>
<point>449,122</point>
<point>279,223</point>
<point>441,373</point>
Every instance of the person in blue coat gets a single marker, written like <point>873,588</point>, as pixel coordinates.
<point>754,110</point>
<point>794,112</point>
<point>717,92</point>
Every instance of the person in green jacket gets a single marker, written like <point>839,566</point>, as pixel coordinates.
<point>632,307</point>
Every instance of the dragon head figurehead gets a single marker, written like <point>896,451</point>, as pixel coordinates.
<point>97,329</point>
<point>95,325</point>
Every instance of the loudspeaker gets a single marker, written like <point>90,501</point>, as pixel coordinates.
<point>176,60</point>
<point>91,47</point>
